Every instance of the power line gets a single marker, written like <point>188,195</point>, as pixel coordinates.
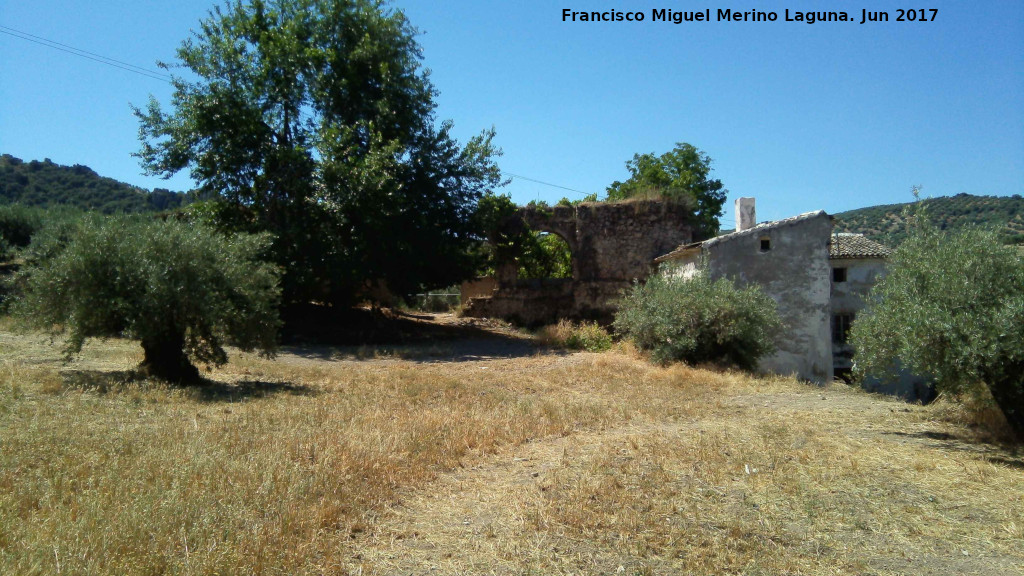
<point>128,67</point>
<point>85,54</point>
<point>548,184</point>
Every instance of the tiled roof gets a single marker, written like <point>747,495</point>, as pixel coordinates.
<point>764,226</point>
<point>846,245</point>
<point>678,252</point>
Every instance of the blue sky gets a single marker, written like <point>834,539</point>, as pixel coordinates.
<point>829,115</point>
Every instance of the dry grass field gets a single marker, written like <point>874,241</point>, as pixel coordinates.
<point>485,458</point>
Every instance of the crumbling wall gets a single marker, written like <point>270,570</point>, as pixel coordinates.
<point>612,244</point>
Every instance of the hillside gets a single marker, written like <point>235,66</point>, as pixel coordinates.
<point>48,184</point>
<point>885,223</point>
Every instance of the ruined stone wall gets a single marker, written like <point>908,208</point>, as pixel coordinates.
<point>612,244</point>
<point>614,240</point>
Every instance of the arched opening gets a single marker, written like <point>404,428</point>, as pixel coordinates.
<point>544,255</point>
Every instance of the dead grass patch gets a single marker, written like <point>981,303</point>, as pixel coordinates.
<point>534,464</point>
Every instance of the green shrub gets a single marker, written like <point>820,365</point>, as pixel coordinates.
<point>17,225</point>
<point>182,289</point>
<point>58,227</point>
<point>587,336</point>
<point>699,320</point>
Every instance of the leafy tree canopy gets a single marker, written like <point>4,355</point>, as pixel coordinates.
<point>313,119</point>
<point>682,175</point>
<point>951,306</point>
<point>181,288</point>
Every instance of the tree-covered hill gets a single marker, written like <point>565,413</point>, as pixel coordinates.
<point>885,223</point>
<point>47,184</point>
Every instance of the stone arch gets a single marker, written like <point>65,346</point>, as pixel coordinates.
<point>612,244</point>
<point>560,221</point>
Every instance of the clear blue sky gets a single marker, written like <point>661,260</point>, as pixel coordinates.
<point>829,115</point>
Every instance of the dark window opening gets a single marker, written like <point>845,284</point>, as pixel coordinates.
<point>766,244</point>
<point>841,328</point>
<point>839,274</point>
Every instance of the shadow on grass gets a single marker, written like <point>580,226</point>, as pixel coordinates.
<point>490,347</point>
<point>206,390</point>
<point>328,333</point>
<point>1005,452</point>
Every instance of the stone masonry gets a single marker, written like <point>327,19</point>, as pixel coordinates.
<point>612,244</point>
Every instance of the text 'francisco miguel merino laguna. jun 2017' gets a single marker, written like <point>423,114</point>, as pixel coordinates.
<point>728,15</point>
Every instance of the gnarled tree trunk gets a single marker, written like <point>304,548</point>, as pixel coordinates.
<point>166,360</point>
<point>1008,394</point>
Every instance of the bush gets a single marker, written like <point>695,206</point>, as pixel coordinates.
<point>587,336</point>
<point>17,225</point>
<point>182,289</point>
<point>699,320</point>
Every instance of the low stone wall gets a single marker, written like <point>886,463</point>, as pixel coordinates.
<point>479,288</point>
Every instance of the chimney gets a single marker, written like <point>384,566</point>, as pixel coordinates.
<point>745,216</point>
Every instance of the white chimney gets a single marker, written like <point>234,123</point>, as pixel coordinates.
<point>745,215</point>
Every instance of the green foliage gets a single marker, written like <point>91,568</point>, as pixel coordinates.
<point>501,241</point>
<point>681,175</point>
<point>18,223</point>
<point>177,287</point>
<point>544,255</point>
<point>508,239</point>
<point>952,307</point>
<point>313,120</point>
<point>888,223</point>
<point>46,184</point>
<point>566,202</point>
<point>59,226</point>
<point>29,234</point>
<point>699,320</point>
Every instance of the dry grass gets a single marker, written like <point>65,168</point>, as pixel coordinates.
<point>537,464</point>
<point>571,335</point>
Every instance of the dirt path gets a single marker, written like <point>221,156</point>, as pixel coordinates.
<point>484,519</point>
<point>472,521</point>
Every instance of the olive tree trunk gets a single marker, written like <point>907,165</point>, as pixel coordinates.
<point>166,360</point>
<point>1009,396</point>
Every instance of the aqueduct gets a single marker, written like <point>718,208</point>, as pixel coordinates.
<point>612,244</point>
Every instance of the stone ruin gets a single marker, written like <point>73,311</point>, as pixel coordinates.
<point>612,244</point>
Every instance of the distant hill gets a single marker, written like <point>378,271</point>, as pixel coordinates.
<point>886,224</point>
<point>46,184</point>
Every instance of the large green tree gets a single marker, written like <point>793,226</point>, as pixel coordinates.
<point>181,288</point>
<point>952,307</point>
<point>314,120</point>
<point>681,175</point>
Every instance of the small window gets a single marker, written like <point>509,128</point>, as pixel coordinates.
<point>839,274</point>
<point>766,244</point>
<point>841,328</point>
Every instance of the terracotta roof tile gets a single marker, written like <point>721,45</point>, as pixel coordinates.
<point>846,245</point>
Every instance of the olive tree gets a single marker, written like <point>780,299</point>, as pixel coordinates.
<point>952,307</point>
<point>181,288</point>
